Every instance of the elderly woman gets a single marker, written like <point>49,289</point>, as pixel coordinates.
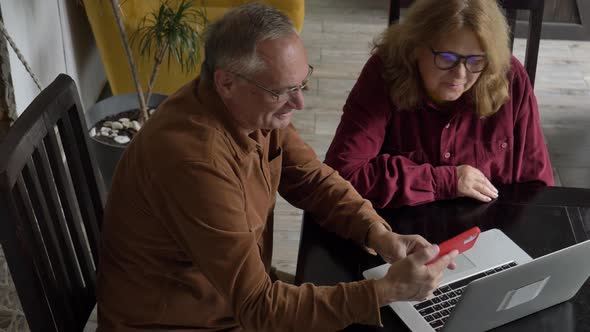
<point>441,110</point>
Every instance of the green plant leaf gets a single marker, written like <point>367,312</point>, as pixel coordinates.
<point>177,29</point>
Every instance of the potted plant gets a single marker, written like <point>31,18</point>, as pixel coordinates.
<point>112,53</point>
<point>170,33</point>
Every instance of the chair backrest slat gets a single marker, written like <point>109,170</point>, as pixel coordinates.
<point>47,236</point>
<point>14,234</point>
<point>511,18</point>
<point>51,201</point>
<point>74,278</point>
<point>91,213</point>
<point>37,249</point>
<point>65,190</point>
<point>55,212</point>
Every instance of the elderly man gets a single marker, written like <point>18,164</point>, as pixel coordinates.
<point>187,236</point>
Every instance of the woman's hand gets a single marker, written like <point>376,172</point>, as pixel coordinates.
<point>472,183</point>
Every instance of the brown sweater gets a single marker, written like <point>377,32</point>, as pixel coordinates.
<point>187,235</point>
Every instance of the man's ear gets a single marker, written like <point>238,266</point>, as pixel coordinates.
<point>224,83</point>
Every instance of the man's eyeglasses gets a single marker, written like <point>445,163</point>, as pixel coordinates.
<point>449,60</point>
<point>284,94</point>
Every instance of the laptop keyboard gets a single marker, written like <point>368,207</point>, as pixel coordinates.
<point>436,310</point>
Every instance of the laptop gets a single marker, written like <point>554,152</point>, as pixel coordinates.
<point>495,282</point>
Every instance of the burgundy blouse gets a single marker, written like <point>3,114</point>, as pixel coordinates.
<point>395,158</point>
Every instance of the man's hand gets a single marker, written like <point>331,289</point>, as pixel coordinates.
<point>472,183</point>
<point>391,246</point>
<point>410,279</point>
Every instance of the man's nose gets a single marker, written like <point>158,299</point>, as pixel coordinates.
<point>296,99</point>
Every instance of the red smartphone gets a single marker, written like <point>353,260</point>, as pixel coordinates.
<point>461,242</point>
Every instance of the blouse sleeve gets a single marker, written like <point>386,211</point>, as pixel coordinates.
<point>386,180</point>
<point>531,157</point>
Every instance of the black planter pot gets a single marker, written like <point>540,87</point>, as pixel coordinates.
<point>108,155</point>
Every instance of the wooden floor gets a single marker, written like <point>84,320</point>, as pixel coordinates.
<point>338,33</point>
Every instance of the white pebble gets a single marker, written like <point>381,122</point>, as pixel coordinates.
<point>135,125</point>
<point>108,124</point>
<point>122,139</point>
<point>152,111</point>
<point>117,125</point>
<point>122,120</point>
<point>93,132</point>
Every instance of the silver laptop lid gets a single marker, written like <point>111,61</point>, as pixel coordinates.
<point>492,248</point>
<point>522,290</point>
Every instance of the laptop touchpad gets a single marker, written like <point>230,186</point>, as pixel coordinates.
<point>463,264</point>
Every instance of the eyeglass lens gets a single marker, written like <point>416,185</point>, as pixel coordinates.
<point>448,60</point>
<point>292,92</point>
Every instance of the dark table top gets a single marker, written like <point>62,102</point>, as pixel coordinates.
<point>539,219</point>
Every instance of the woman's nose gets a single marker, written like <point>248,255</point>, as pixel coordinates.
<point>460,70</point>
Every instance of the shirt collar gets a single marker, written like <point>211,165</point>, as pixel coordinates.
<point>208,96</point>
<point>462,105</point>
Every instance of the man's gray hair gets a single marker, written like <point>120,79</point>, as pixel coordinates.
<point>231,41</point>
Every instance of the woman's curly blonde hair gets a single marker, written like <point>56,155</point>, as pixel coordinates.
<point>428,21</point>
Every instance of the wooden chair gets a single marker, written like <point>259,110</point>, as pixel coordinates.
<point>535,9</point>
<point>51,207</point>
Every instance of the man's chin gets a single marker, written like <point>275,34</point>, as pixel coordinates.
<point>282,124</point>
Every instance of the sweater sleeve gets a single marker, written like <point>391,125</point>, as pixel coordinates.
<point>531,157</point>
<point>221,243</point>
<point>356,152</point>
<point>309,184</point>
